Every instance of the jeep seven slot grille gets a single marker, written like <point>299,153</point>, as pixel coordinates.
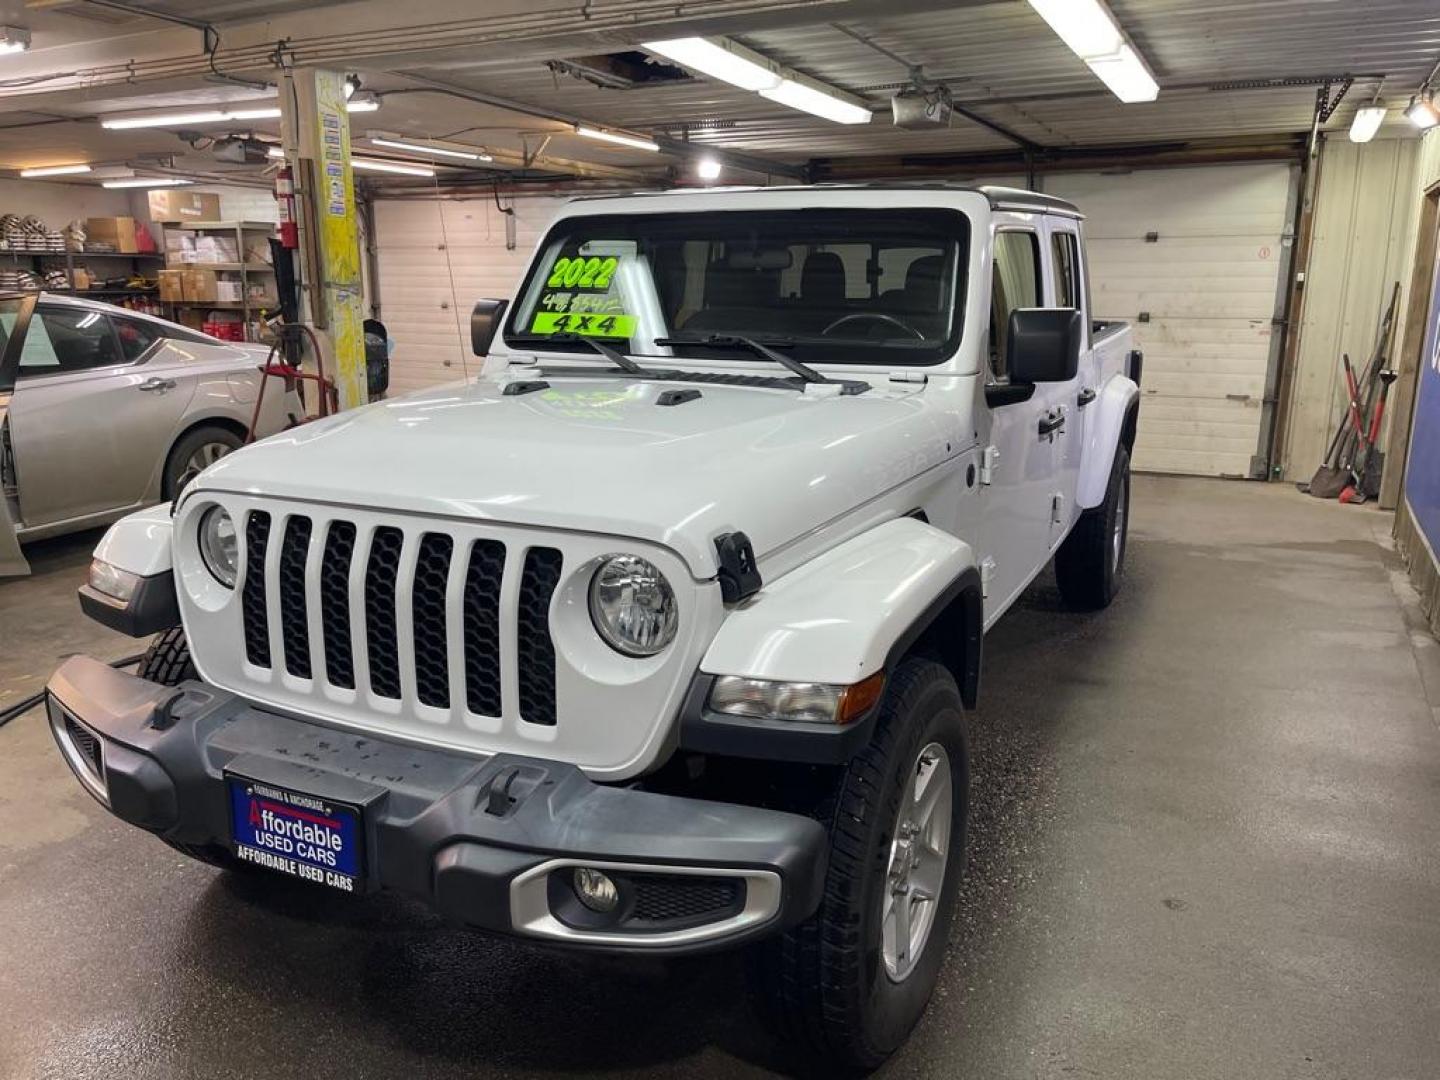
<point>360,586</point>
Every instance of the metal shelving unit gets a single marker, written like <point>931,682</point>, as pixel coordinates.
<point>38,261</point>
<point>237,230</point>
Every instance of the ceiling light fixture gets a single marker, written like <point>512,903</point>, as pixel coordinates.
<point>418,148</point>
<point>1088,27</point>
<point>362,102</point>
<point>638,142</point>
<point>55,170</point>
<point>147,182</point>
<point>1368,119</point>
<point>1421,110</point>
<point>811,97</point>
<point>391,167</point>
<point>275,151</point>
<point>14,39</point>
<point>217,116</point>
<point>723,59</point>
<point>720,59</point>
<point>708,168</point>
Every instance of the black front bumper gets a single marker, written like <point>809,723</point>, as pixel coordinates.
<point>479,839</point>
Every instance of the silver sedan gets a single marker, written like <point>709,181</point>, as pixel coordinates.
<point>104,410</point>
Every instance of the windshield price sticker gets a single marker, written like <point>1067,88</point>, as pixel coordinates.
<point>595,324</point>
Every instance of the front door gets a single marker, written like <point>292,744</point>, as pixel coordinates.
<point>15,312</point>
<point>1020,466</point>
<point>89,417</point>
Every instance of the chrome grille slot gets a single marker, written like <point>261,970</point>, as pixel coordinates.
<point>254,607</point>
<point>380,630</point>
<point>294,611</point>
<point>482,627</point>
<point>535,648</point>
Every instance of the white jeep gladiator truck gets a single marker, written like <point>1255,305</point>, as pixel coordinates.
<point>657,637</point>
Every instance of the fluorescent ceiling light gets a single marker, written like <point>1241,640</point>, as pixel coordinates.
<point>147,182</point>
<point>217,116</point>
<point>1421,111</point>
<point>362,103</point>
<point>827,104</point>
<point>708,168</point>
<point>391,167</point>
<point>275,151</point>
<point>14,39</point>
<point>55,170</point>
<point>720,59</point>
<point>442,151</point>
<point>1368,119</point>
<point>1126,75</point>
<point>1093,35</point>
<point>610,136</point>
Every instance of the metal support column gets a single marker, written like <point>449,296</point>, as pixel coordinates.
<point>317,134</point>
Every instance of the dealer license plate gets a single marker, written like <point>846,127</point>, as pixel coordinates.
<point>293,833</point>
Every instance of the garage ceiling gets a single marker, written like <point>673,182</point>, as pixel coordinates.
<point>1230,71</point>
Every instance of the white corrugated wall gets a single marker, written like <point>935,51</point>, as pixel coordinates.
<point>1361,245</point>
<point>436,258</point>
<point>1207,282</point>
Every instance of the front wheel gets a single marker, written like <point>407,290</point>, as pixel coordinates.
<point>852,980</point>
<point>1090,564</point>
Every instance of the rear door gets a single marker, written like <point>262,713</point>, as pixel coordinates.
<point>90,416</point>
<point>1065,289</point>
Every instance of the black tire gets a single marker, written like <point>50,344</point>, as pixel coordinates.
<point>826,981</point>
<point>167,660</point>
<point>190,444</point>
<point>1090,565</point>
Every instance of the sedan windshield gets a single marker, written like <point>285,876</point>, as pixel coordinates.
<point>825,286</point>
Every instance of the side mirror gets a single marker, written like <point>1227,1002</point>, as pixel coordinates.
<point>485,320</point>
<point>1043,345</point>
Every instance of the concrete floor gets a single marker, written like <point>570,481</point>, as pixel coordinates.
<point>1204,845</point>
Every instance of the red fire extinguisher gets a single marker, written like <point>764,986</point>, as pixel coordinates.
<point>285,195</point>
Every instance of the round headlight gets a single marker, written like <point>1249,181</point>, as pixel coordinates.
<point>218,546</point>
<point>632,606</point>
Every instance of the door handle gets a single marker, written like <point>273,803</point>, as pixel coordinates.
<point>1086,396</point>
<point>157,383</point>
<point>1052,423</point>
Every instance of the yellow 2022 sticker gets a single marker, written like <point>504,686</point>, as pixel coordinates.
<point>597,324</point>
<point>582,273</point>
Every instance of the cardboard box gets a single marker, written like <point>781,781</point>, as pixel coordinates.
<point>229,292</point>
<point>119,232</point>
<point>201,285</point>
<point>179,248</point>
<point>172,284</point>
<point>173,205</point>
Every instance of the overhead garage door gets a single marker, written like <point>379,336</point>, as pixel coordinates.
<point>436,259</point>
<point>1192,258</point>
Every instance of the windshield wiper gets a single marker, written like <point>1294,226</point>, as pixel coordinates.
<point>619,359</point>
<point>759,348</point>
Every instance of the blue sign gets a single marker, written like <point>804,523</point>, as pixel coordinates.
<point>1422,470</point>
<point>296,834</point>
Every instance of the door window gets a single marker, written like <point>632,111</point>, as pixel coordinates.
<point>135,336</point>
<point>63,340</point>
<point>1067,269</point>
<point>1015,284</point>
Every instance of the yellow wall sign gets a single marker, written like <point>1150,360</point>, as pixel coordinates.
<point>588,324</point>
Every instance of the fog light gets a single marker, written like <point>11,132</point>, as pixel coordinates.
<point>596,890</point>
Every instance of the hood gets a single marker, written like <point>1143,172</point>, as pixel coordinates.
<point>601,455</point>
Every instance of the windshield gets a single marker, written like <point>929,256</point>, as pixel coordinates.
<point>826,286</point>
